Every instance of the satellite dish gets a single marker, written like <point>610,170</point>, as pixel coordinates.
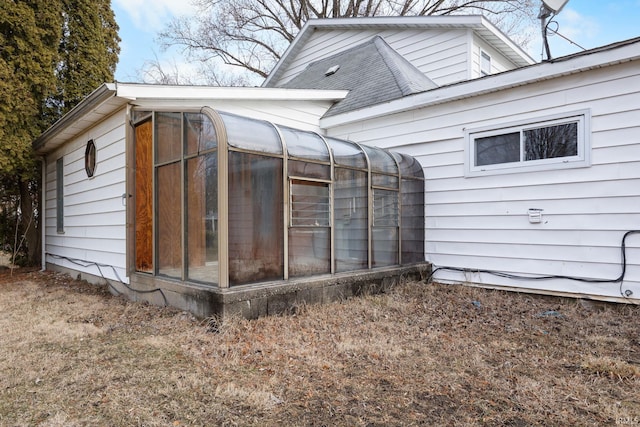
<point>555,6</point>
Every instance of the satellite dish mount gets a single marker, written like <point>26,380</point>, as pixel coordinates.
<point>548,10</point>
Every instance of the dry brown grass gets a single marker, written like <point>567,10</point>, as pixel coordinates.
<point>73,355</point>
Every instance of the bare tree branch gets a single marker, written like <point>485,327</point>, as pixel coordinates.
<point>252,34</point>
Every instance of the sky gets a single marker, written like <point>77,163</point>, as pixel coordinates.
<point>589,23</point>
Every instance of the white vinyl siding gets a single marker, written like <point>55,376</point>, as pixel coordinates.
<point>301,114</point>
<point>482,223</point>
<point>439,54</point>
<point>94,211</point>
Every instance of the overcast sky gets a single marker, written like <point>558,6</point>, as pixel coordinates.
<point>589,23</point>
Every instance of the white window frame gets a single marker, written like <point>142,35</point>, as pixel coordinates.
<point>582,159</point>
<point>485,63</point>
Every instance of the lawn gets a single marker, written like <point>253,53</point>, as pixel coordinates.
<point>71,354</point>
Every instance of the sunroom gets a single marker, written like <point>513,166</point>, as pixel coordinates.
<point>224,201</point>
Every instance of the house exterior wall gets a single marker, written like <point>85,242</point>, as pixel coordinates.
<point>481,222</point>
<point>442,54</point>
<point>94,210</point>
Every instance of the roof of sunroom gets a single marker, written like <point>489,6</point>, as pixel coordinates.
<point>111,97</point>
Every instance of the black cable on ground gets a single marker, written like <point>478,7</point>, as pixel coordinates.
<point>84,263</point>
<point>619,279</point>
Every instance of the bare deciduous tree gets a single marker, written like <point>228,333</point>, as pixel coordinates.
<point>252,34</point>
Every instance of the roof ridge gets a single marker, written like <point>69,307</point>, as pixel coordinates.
<point>400,67</point>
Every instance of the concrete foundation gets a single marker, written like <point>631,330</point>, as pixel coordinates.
<point>259,299</point>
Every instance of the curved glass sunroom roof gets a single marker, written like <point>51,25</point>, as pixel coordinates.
<point>230,200</point>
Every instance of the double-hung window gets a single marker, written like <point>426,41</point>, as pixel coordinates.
<point>553,142</point>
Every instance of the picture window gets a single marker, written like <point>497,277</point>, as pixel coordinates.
<point>549,143</point>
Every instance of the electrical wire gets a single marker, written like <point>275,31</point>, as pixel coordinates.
<point>85,264</point>
<point>619,279</point>
<point>555,32</point>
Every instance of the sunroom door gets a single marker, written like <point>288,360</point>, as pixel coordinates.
<point>144,197</point>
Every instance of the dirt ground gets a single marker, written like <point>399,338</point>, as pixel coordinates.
<point>71,354</point>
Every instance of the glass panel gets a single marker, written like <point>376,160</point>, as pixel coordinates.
<point>385,228</point>
<point>250,134</point>
<point>305,144</point>
<point>551,141</point>
<point>409,166</point>
<point>485,64</point>
<point>347,154</point>
<point>168,130</point>
<point>384,248</point>
<point>202,218</point>
<point>412,234</point>
<point>384,180</point>
<point>381,161</point>
<point>491,150</point>
<point>309,203</point>
<point>200,134</point>
<point>385,208</point>
<point>309,251</point>
<point>351,226</point>
<point>169,220</point>
<point>256,244</point>
<point>309,170</point>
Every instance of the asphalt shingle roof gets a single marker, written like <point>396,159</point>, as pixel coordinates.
<point>372,72</point>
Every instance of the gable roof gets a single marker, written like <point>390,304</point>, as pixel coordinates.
<point>479,24</point>
<point>372,72</point>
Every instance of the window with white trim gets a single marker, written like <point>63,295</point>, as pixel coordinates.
<point>552,142</point>
<point>485,63</point>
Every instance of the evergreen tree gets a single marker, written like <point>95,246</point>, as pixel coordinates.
<point>89,50</point>
<point>29,37</point>
<point>52,54</point>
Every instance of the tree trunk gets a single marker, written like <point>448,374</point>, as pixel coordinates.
<point>30,227</point>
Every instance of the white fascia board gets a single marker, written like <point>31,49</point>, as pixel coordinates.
<point>494,83</point>
<point>487,28</point>
<point>166,92</point>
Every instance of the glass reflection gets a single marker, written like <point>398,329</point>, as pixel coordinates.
<point>200,135</point>
<point>256,244</point>
<point>350,217</point>
<point>169,221</point>
<point>347,153</point>
<point>202,218</point>
<point>305,145</point>
<point>250,134</point>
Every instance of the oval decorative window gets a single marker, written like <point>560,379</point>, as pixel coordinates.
<point>90,158</point>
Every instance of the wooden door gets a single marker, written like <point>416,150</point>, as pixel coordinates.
<point>144,197</point>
